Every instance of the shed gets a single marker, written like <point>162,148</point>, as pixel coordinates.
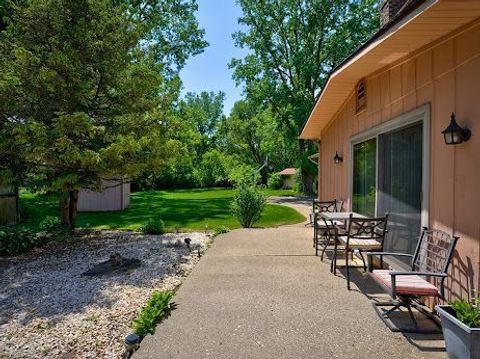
<point>8,205</point>
<point>288,175</point>
<point>114,195</point>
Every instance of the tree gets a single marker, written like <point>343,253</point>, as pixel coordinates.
<point>85,87</point>
<point>252,134</point>
<point>202,113</point>
<point>294,45</point>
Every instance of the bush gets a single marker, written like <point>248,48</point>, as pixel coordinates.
<point>16,240</point>
<point>153,226</point>
<point>221,230</point>
<point>151,314</point>
<point>248,204</point>
<point>467,313</point>
<point>52,228</point>
<point>275,181</point>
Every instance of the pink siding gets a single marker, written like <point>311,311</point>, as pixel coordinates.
<point>445,75</point>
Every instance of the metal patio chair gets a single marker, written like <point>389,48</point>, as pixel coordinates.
<point>319,228</point>
<point>431,259</point>
<point>362,235</point>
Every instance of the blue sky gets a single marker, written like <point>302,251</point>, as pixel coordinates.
<point>209,71</point>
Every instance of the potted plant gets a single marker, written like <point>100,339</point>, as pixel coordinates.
<point>461,328</point>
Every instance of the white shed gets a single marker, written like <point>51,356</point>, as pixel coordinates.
<point>113,196</point>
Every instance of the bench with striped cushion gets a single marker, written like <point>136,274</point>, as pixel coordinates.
<point>406,284</point>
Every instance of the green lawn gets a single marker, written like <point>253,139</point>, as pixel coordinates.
<point>191,209</point>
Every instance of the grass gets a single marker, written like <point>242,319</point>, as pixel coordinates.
<point>189,209</point>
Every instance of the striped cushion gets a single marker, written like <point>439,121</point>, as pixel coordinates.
<point>356,243</point>
<point>405,284</point>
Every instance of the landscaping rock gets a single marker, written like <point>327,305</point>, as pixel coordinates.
<point>50,310</point>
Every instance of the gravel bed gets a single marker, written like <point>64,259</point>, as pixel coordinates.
<point>48,309</point>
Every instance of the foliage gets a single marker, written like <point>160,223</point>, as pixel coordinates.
<point>275,181</point>
<point>85,87</point>
<point>252,134</point>
<point>220,230</point>
<point>153,226</point>
<point>467,313</point>
<point>247,205</point>
<point>16,240</point>
<point>152,313</point>
<point>52,227</point>
<point>294,44</point>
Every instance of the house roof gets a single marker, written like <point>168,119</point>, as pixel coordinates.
<point>288,171</point>
<point>417,25</point>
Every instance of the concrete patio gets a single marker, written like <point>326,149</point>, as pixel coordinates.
<point>261,293</point>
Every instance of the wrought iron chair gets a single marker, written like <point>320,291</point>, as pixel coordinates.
<point>431,259</point>
<point>362,235</point>
<point>319,229</point>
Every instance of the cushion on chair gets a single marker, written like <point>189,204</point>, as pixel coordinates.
<point>321,224</point>
<point>356,243</point>
<point>405,284</point>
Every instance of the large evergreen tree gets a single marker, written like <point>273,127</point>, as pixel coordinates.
<point>86,86</point>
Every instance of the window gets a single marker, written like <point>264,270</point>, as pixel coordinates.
<point>364,177</point>
<point>361,96</point>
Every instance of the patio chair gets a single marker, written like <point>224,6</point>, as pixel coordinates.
<point>318,226</point>
<point>362,235</point>
<point>431,259</point>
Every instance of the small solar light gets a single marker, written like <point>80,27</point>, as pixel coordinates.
<point>132,342</point>
<point>187,242</point>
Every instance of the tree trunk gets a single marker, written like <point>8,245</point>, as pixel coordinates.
<point>68,208</point>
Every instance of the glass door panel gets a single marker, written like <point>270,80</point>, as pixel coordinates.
<point>400,186</point>
<point>364,173</point>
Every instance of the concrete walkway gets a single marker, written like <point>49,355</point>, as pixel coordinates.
<point>261,293</point>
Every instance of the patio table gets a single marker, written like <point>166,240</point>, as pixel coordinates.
<point>334,218</point>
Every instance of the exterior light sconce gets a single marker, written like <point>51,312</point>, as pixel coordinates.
<point>454,134</point>
<point>337,159</point>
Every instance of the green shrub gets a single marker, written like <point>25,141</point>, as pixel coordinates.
<point>275,181</point>
<point>467,313</point>
<point>153,226</point>
<point>221,230</point>
<point>52,228</point>
<point>247,205</point>
<point>151,314</point>
<point>16,240</point>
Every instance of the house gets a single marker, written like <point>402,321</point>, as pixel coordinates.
<point>380,126</point>
<point>288,176</point>
<point>114,195</point>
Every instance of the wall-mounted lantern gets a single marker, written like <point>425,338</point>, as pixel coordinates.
<point>454,134</point>
<point>337,159</point>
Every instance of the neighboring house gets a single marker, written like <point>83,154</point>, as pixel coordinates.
<point>288,176</point>
<point>379,121</point>
<point>8,205</point>
<point>113,196</point>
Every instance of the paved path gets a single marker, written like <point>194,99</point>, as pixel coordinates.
<point>261,293</point>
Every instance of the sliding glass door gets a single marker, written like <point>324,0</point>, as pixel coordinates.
<point>387,177</point>
<point>400,185</point>
<point>364,177</point>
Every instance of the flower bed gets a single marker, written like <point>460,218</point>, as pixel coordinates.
<point>50,309</point>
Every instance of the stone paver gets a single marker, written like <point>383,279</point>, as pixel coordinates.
<point>261,293</point>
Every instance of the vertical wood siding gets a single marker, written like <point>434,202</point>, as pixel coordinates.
<point>445,75</point>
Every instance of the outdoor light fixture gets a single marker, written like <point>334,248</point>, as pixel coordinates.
<point>454,134</point>
<point>337,159</point>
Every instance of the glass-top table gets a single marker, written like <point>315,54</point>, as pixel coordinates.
<point>339,216</point>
